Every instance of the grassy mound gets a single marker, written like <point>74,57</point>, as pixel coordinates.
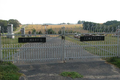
<point>8,71</point>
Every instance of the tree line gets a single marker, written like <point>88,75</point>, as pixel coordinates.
<point>80,22</point>
<point>4,23</point>
<point>109,26</point>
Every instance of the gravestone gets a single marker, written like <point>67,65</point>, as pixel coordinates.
<point>10,31</point>
<point>29,33</point>
<point>23,32</point>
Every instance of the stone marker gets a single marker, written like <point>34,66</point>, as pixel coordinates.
<point>23,32</point>
<point>10,31</point>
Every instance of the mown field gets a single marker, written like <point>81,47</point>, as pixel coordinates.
<point>56,28</point>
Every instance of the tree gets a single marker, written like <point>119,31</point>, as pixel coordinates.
<point>80,22</point>
<point>3,24</point>
<point>15,23</point>
<point>109,26</point>
<point>111,22</point>
<point>68,23</point>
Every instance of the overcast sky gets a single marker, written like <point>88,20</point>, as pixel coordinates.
<point>58,11</point>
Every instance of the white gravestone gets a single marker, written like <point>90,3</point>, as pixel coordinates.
<point>10,31</point>
<point>23,32</point>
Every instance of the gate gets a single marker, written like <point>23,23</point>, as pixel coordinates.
<point>92,43</point>
<point>62,44</point>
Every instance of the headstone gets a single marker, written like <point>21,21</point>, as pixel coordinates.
<point>10,31</point>
<point>23,32</point>
<point>29,33</point>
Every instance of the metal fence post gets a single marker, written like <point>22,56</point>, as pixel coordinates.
<point>0,45</point>
<point>63,44</point>
<point>118,42</point>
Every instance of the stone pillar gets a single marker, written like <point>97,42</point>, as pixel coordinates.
<point>10,31</point>
<point>23,32</point>
<point>63,44</point>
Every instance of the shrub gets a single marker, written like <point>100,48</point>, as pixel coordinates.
<point>33,30</point>
<point>40,32</point>
<point>59,32</point>
<point>50,31</point>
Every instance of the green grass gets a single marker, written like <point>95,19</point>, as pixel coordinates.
<point>71,74</point>
<point>8,71</point>
<point>114,60</point>
<point>6,40</point>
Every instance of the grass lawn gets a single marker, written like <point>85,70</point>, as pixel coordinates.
<point>6,40</point>
<point>9,71</point>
